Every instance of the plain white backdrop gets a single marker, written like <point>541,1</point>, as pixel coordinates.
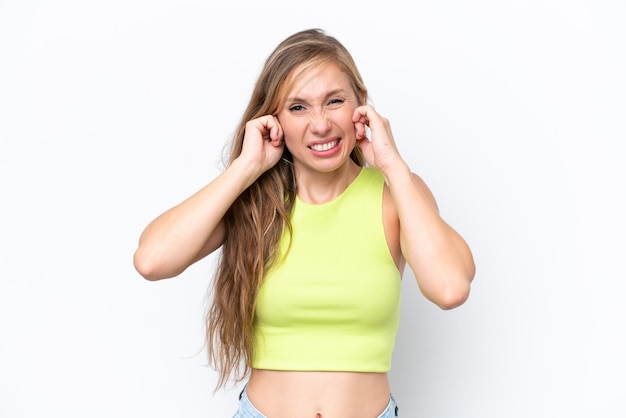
<point>512,111</point>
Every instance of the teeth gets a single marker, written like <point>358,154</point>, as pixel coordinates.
<point>324,147</point>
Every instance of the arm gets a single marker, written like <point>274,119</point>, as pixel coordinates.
<point>438,256</point>
<point>194,228</point>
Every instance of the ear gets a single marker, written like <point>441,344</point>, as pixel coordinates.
<point>363,98</point>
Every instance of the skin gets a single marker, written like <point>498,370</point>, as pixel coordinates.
<point>322,121</point>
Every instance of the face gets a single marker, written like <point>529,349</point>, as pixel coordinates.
<point>317,119</point>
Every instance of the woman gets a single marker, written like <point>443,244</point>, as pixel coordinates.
<point>316,219</point>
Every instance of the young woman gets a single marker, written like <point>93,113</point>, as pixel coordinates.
<point>316,219</point>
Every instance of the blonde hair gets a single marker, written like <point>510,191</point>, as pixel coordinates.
<point>257,219</point>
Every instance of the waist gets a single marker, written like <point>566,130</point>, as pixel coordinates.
<point>330,394</point>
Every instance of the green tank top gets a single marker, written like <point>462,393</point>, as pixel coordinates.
<point>333,303</point>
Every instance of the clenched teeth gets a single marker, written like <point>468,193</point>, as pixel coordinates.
<point>324,147</point>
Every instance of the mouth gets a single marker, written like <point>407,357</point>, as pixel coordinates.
<point>325,146</point>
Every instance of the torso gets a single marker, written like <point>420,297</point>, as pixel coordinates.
<point>311,394</point>
<point>289,394</point>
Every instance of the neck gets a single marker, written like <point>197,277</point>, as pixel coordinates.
<point>318,187</point>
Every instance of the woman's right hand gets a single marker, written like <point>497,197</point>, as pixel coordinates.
<point>194,228</point>
<point>263,143</point>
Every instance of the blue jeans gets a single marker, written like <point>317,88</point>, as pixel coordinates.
<point>247,410</point>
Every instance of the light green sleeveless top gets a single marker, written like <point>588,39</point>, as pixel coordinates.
<point>333,303</point>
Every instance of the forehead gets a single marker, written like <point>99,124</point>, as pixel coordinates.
<point>318,79</point>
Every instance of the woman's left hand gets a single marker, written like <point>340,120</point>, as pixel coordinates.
<point>380,149</point>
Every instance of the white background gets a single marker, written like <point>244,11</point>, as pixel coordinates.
<point>512,111</point>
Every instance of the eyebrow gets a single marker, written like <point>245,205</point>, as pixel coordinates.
<point>334,92</point>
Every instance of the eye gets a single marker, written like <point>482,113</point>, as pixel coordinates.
<point>296,108</point>
<point>336,101</point>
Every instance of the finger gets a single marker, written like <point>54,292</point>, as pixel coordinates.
<point>276,132</point>
<point>359,129</point>
<point>362,114</point>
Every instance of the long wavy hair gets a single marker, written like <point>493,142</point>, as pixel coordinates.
<point>261,214</point>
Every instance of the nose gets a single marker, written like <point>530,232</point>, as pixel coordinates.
<point>319,123</point>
